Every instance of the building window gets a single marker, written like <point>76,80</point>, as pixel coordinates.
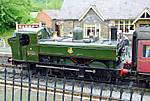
<point>91,30</point>
<point>121,22</point>
<point>121,28</point>
<point>43,24</point>
<point>131,27</point>
<point>124,25</point>
<point>126,28</point>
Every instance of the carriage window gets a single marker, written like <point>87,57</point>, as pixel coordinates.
<point>146,51</point>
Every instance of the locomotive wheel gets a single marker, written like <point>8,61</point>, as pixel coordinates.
<point>103,76</point>
<point>71,74</point>
<point>97,64</point>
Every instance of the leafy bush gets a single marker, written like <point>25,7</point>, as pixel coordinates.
<point>13,11</point>
<point>46,4</point>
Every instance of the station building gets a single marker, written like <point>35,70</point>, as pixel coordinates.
<point>97,16</point>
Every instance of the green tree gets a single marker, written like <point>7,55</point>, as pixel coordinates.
<point>12,11</point>
<point>55,4</point>
<point>38,5</point>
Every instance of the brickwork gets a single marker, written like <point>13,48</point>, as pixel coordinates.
<point>44,18</point>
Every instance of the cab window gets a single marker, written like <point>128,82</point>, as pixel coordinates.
<point>24,39</point>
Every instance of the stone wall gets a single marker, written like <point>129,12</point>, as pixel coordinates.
<point>78,24</point>
<point>69,25</point>
<point>104,29</point>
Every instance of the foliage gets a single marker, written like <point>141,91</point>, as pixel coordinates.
<point>55,4</point>
<point>46,4</point>
<point>13,11</point>
<point>8,34</point>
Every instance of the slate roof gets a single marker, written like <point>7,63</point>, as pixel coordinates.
<point>139,16</point>
<point>148,9</point>
<point>52,13</point>
<point>110,9</point>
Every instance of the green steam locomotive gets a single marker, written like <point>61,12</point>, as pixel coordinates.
<point>36,47</point>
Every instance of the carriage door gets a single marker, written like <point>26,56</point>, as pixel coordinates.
<point>143,61</point>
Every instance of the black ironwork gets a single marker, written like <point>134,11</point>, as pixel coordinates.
<point>5,71</point>
<point>91,92</point>
<point>55,81</point>
<point>21,74</point>
<point>46,85</point>
<point>82,85</point>
<point>50,85</point>
<point>29,86</point>
<point>38,81</point>
<point>72,92</point>
<point>101,91</point>
<point>64,82</point>
<point>13,84</point>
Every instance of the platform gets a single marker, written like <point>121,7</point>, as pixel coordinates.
<point>5,51</point>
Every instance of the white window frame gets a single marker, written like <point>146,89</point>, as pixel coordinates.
<point>96,26</point>
<point>129,24</point>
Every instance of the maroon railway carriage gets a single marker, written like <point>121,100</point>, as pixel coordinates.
<point>140,65</point>
<point>143,63</point>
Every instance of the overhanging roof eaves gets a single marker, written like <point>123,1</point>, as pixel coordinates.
<point>93,7</point>
<point>138,17</point>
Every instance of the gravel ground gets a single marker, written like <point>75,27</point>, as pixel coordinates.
<point>5,49</point>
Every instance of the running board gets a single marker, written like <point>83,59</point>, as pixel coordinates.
<point>64,68</point>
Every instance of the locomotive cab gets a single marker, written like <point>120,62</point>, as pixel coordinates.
<point>141,50</point>
<point>24,44</point>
